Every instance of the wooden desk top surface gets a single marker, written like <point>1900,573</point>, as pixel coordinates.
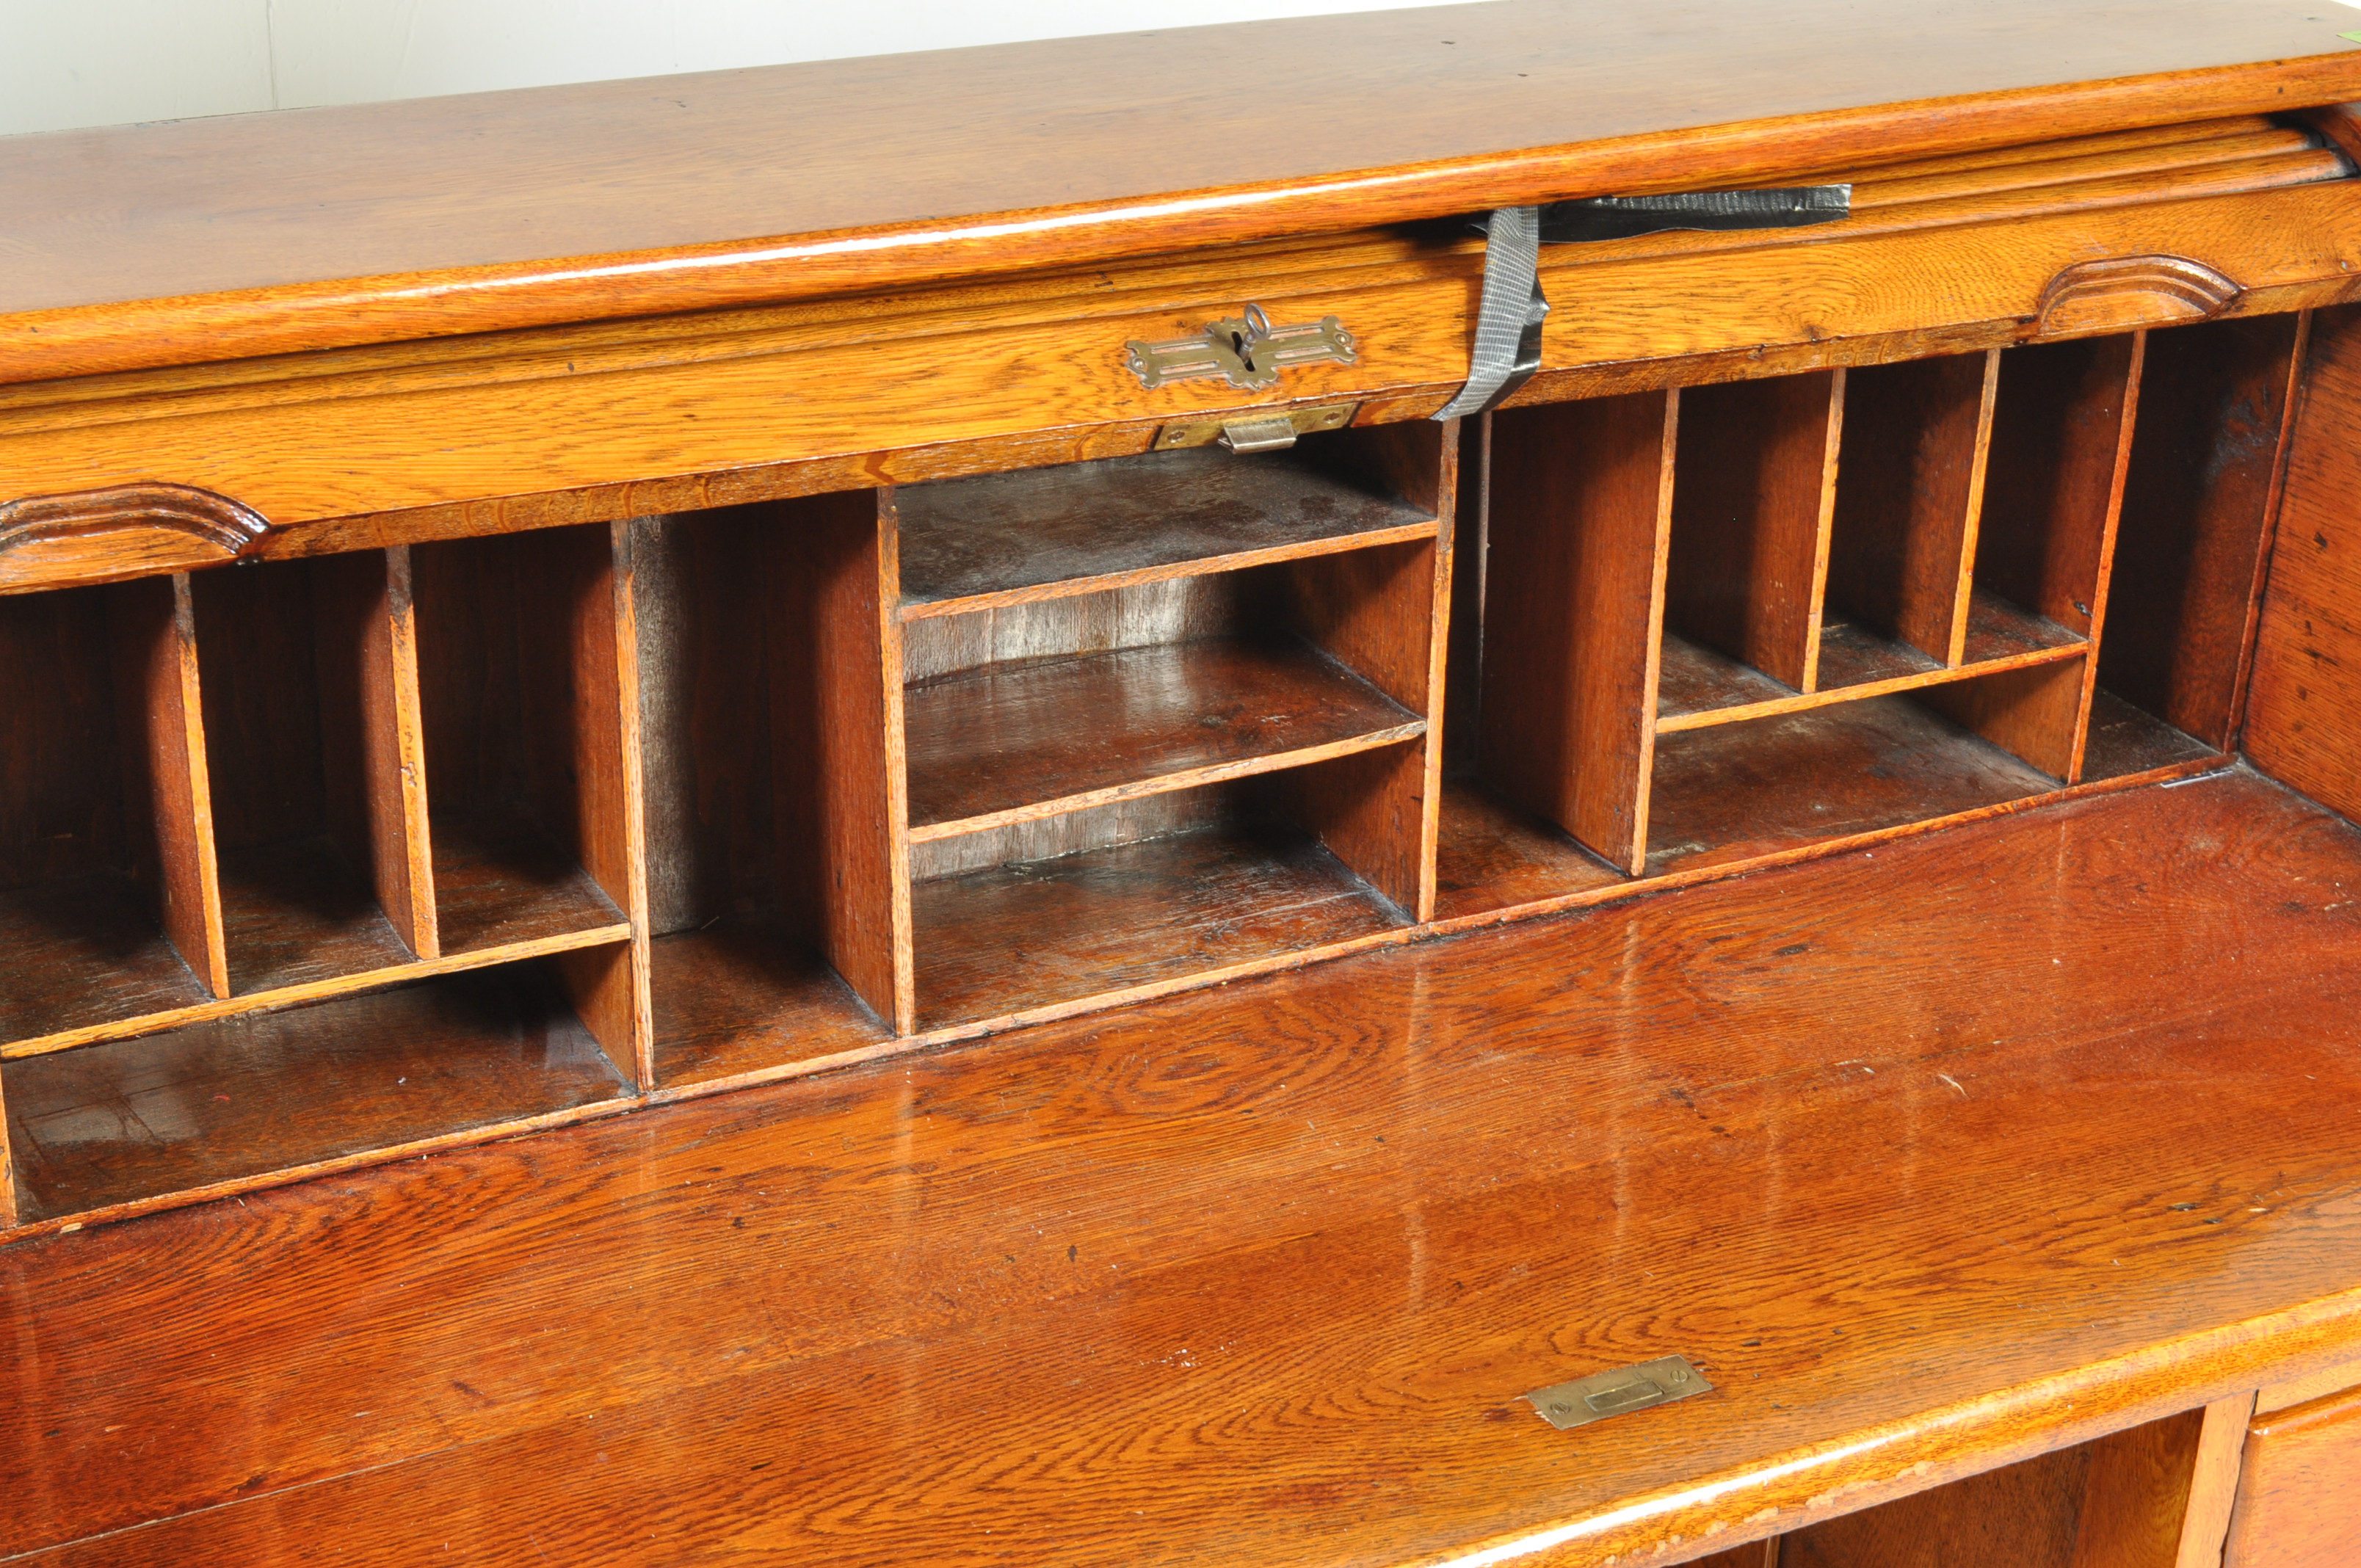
<point>1934,1155</point>
<point>255,234</point>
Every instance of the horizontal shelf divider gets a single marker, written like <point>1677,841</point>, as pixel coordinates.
<point>1163,783</point>
<point>1199,567</point>
<point>1940,675</point>
<point>1014,742</point>
<point>314,990</point>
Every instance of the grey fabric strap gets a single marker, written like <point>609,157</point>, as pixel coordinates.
<point>1509,317</point>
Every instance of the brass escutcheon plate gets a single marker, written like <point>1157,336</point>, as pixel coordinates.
<point>1604,1394</point>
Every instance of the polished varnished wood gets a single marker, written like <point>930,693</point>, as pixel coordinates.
<point>2195,530</point>
<point>1579,520</point>
<point>603,422</point>
<point>396,221</point>
<point>1004,743</point>
<point>2119,1502</point>
<point>220,1101</point>
<point>2304,706</point>
<point>1049,533</point>
<point>1909,496</point>
<point>2298,1490</point>
<point>1911,1234</point>
<point>1753,492</point>
<point>1134,918</point>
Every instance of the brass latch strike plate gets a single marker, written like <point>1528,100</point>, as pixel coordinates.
<point>1263,430</point>
<point>1604,1394</point>
<point>1244,350</point>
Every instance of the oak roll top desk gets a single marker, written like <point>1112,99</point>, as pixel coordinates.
<point>1806,829</point>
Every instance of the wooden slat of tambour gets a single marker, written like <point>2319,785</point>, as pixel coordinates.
<point>448,209</point>
<point>1909,491</point>
<point>1472,1254</point>
<point>936,405</point>
<point>2303,703</point>
<point>1754,493</point>
<point>1895,189</point>
<point>163,730</point>
<point>2200,131</point>
<point>1579,517</point>
<point>2194,542</point>
<point>374,749</point>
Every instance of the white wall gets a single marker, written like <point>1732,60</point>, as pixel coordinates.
<point>97,63</point>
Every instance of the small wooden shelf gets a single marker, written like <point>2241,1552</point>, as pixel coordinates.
<point>1699,686</point>
<point>296,912</point>
<point>744,995</point>
<point>1739,792</point>
<point>82,954</point>
<point>268,1092</point>
<point>500,881</point>
<point>1011,938</point>
<point>1009,741</point>
<point>1044,534</point>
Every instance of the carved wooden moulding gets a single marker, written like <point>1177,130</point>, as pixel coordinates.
<point>2127,292</point>
<point>129,530</point>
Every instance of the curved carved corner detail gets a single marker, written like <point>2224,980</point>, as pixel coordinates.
<point>2127,292</point>
<point>130,530</point>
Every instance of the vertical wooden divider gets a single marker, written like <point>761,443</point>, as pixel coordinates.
<point>1753,497</point>
<point>589,587</point>
<point>1472,484</point>
<point>1909,493</point>
<point>1579,522</point>
<point>7,1172</point>
<point>632,844</point>
<point>2216,404</point>
<point>161,701</point>
<point>372,733</point>
<point>2061,453</point>
<point>1386,613</point>
<point>842,776</point>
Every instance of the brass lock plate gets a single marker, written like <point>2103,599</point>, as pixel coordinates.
<point>1254,430</point>
<point>1604,1394</point>
<point>1244,350</point>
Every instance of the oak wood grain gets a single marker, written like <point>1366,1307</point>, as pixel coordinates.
<point>2214,1482</point>
<point>1912,1233</point>
<point>375,760</point>
<point>2215,402</point>
<point>711,411</point>
<point>1007,741</point>
<point>162,701</point>
<point>2303,702</point>
<point>1753,491</point>
<point>1909,492</point>
<point>112,1123</point>
<point>393,221</point>
<point>1580,513</point>
<point>1006,539</point>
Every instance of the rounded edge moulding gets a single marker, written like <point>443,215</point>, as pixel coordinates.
<point>199,240</point>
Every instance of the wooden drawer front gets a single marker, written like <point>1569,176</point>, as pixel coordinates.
<point>2299,1497</point>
